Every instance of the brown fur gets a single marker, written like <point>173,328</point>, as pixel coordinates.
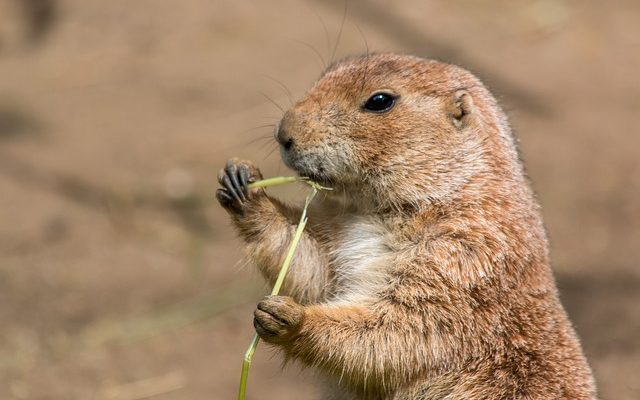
<point>425,275</point>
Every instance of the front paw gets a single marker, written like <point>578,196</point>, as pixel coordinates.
<point>278,319</point>
<point>234,178</point>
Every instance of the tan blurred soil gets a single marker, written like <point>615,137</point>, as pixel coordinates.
<point>119,274</point>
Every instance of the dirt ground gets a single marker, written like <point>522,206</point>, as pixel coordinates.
<point>119,274</point>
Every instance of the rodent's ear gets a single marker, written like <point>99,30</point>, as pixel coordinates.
<point>460,108</point>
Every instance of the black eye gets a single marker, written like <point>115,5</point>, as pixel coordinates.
<point>379,103</point>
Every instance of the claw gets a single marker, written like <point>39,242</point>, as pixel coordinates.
<point>221,176</point>
<point>260,329</point>
<point>234,179</point>
<point>229,186</point>
<point>243,174</point>
<point>224,196</point>
<point>232,173</point>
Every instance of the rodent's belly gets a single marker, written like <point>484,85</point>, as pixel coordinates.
<point>361,259</point>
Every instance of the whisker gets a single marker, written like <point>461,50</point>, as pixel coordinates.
<point>363,37</point>
<point>271,152</point>
<point>261,138</point>
<point>273,102</point>
<point>327,37</point>
<point>344,17</point>
<point>256,128</point>
<point>270,117</point>
<point>315,51</point>
<point>363,75</point>
<point>282,85</point>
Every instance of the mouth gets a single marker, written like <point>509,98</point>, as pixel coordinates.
<point>319,176</point>
<point>307,168</point>
<point>322,181</point>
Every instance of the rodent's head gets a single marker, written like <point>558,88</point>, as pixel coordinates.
<point>393,130</point>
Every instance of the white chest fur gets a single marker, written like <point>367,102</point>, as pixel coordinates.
<point>362,258</point>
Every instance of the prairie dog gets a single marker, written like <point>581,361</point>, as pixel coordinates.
<point>425,274</point>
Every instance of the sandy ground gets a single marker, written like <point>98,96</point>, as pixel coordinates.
<point>119,274</point>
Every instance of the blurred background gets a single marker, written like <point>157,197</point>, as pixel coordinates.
<point>120,276</point>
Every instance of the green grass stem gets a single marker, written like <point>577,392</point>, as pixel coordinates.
<point>248,356</point>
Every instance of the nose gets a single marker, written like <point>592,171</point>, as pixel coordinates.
<point>283,135</point>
